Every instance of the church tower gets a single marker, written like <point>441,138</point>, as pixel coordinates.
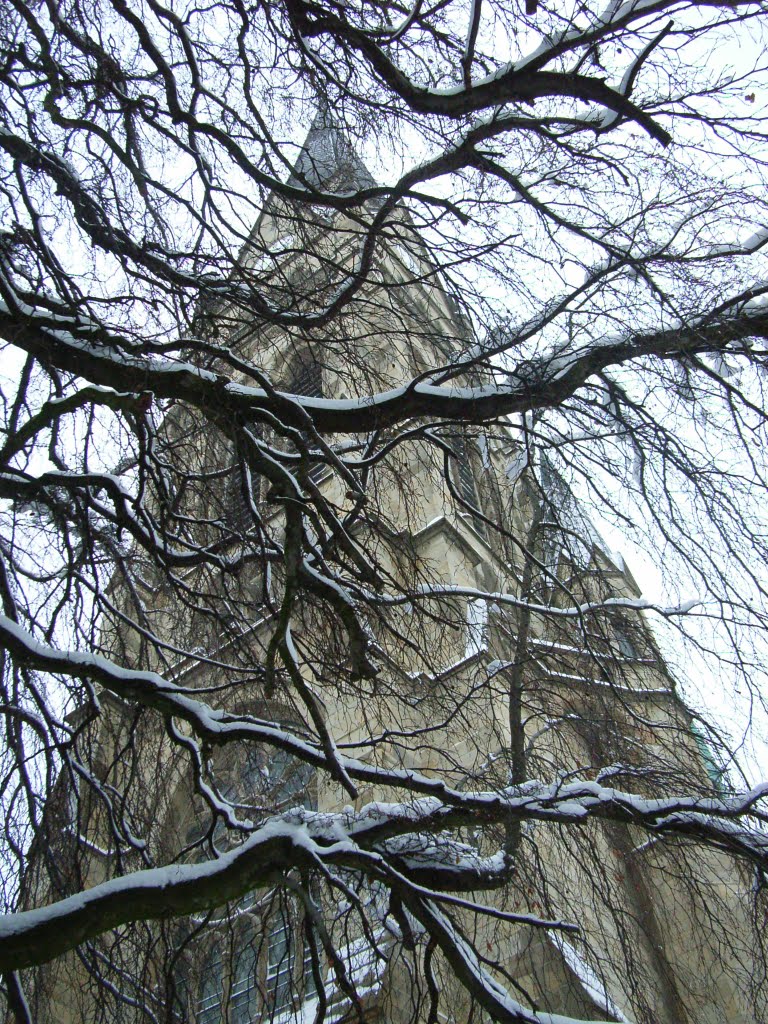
<point>425,600</point>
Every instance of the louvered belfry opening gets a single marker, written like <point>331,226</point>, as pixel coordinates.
<point>464,476</point>
<point>307,380</point>
<point>465,479</point>
<point>237,510</point>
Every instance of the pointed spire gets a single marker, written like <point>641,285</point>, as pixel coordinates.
<point>328,160</point>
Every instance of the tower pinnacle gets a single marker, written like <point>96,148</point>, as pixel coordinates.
<point>328,160</point>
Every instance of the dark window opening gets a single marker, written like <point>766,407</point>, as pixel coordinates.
<point>307,380</point>
<point>238,514</point>
<point>464,477</point>
<point>237,510</point>
<point>625,642</point>
<point>716,773</point>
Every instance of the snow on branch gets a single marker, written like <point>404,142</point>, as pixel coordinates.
<point>712,820</point>
<point>427,591</point>
<point>347,839</point>
<point>544,380</point>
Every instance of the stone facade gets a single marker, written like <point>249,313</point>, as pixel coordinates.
<point>666,927</point>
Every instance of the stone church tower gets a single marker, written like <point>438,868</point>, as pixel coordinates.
<point>487,684</point>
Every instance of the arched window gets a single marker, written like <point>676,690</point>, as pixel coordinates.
<point>463,475</point>
<point>210,988</point>
<point>259,965</point>
<point>237,511</point>
<point>263,780</point>
<point>306,379</point>
<point>260,970</point>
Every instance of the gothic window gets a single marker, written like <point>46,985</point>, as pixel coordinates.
<point>261,970</point>
<point>283,945</point>
<point>211,989</point>
<point>243,996</point>
<point>279,965</point>
<point>306,379</point>
<point>259,965</point>
<point>464,478</point>
<point>463,475</point>
<point>261,780</point>
<point>237,508</point>
<point>275,780</point>
<point>625,642</point>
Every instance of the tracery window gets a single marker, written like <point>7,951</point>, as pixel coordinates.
<point>259,965</point>
<point>262,970</point>
<point>273,781</point>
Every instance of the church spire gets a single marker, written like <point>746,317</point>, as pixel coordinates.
<point>328,160</point>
